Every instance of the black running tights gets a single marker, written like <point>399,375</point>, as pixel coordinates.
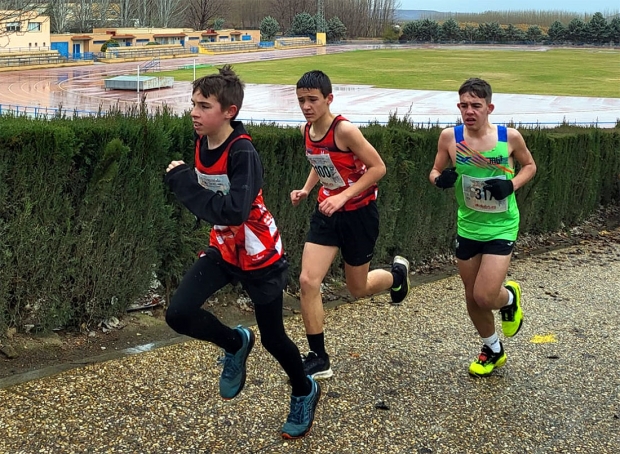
<point>186,316</point>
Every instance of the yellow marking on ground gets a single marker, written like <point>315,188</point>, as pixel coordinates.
<point>544,339</point>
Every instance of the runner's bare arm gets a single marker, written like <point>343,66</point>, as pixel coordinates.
<point>349,137</point>
<point>522,155</point>
<point>297,195</point>
<point>443,158</point>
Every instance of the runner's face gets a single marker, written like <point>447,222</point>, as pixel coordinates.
<point>207,114</point>
<point>312,103</point>
<point>474,111</point>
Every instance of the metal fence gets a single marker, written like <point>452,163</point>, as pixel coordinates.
<point>43,112</point>
<point>31,60</point>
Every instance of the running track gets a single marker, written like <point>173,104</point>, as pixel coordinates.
<point>81,88</point>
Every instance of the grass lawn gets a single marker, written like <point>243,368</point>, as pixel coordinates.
<point>563,72</point>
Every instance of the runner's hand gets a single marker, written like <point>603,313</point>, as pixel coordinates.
<point>499,189</point>
<point>297,196</point>
<point>332,204</point>
<point>447,178</point>
<point>173,164</point>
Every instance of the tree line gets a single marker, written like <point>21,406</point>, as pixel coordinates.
<point>597,31</point>
<point>361,18</point>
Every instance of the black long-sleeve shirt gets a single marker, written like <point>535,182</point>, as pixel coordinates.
<point>245,173</point>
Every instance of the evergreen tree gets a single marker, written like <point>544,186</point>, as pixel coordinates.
<point>470,33</point>
<point>534,34</point>
<point>269,28</point>
<point>410,31</point>
<point>557,32</point>
<point>513,34</point>
<point>576,31</point>
<point>491,32</point>
<point>218,23</point>
<point>597,30</point>
<point>336,30</point>
<point>450,31</point>
<point>429,30</point>
<point>614,30</point>
<point>302,25</point>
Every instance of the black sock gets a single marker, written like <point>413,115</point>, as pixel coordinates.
<point>302,390</point>
<point>317,344</point>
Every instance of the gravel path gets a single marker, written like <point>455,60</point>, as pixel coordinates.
<point>400,382</point>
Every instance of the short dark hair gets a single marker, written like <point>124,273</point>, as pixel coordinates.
<point>316,79</point>
<point>478,87</point>
<point>225,85</point>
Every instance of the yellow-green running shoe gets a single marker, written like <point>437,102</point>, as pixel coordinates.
<point>512,316</point>
<point>487,361</point>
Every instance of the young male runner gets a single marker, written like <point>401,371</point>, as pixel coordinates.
<point>488,217</point>
<point>346,216</point>
<point>224,189</point>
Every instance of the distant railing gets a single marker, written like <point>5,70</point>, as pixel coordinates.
<point>294,41</point>
<point>15,60</point>
<point>234,46</point>
<point>23,49</point>
<point>152,65</point>
<point>144,52</point>
<point>43,112</point>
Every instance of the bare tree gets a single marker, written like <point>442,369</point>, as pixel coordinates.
<point>166,12</point>
<point>58,11</point>
<point>128,13</point>
<point>362,18</point>
<point>82,15</point>
<point>248,13</point>
<point>103,13</point>
<point>145,12</point>
<point>200,12</point>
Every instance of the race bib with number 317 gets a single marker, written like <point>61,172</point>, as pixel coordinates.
<point>478,199</point>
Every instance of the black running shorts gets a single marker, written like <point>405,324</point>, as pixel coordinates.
<point>466,248</point>
<point>354,232</point>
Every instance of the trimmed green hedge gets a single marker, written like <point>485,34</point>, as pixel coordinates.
<point>86,223</point>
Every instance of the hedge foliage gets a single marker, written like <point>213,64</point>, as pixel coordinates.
<point>86,223</point>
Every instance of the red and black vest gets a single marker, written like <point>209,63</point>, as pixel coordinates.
<point>252,245</point>
<point>337,169</point>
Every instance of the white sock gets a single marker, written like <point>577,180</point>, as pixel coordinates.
<point>493,343</point>
<point>511,298</point>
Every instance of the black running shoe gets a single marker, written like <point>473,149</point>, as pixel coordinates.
<point>316,366</point>
<point>400,265</point>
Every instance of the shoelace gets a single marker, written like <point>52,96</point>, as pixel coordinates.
<point>230,367</point>
<point>485,354</point>
<point>299,410</point>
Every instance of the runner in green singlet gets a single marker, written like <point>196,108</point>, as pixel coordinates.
<point>481,157</point>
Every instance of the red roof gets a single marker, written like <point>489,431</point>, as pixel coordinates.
<point>235,33</point>
<point>81,38</point>
<point>209,33</point>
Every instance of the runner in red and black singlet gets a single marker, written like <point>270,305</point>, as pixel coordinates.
<point>225,189</point>
<point>346,218</point>
<point>337,169</point>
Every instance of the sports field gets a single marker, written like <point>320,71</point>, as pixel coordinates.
<point>536,70</point>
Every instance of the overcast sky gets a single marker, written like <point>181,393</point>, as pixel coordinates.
<point>453,6</point>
